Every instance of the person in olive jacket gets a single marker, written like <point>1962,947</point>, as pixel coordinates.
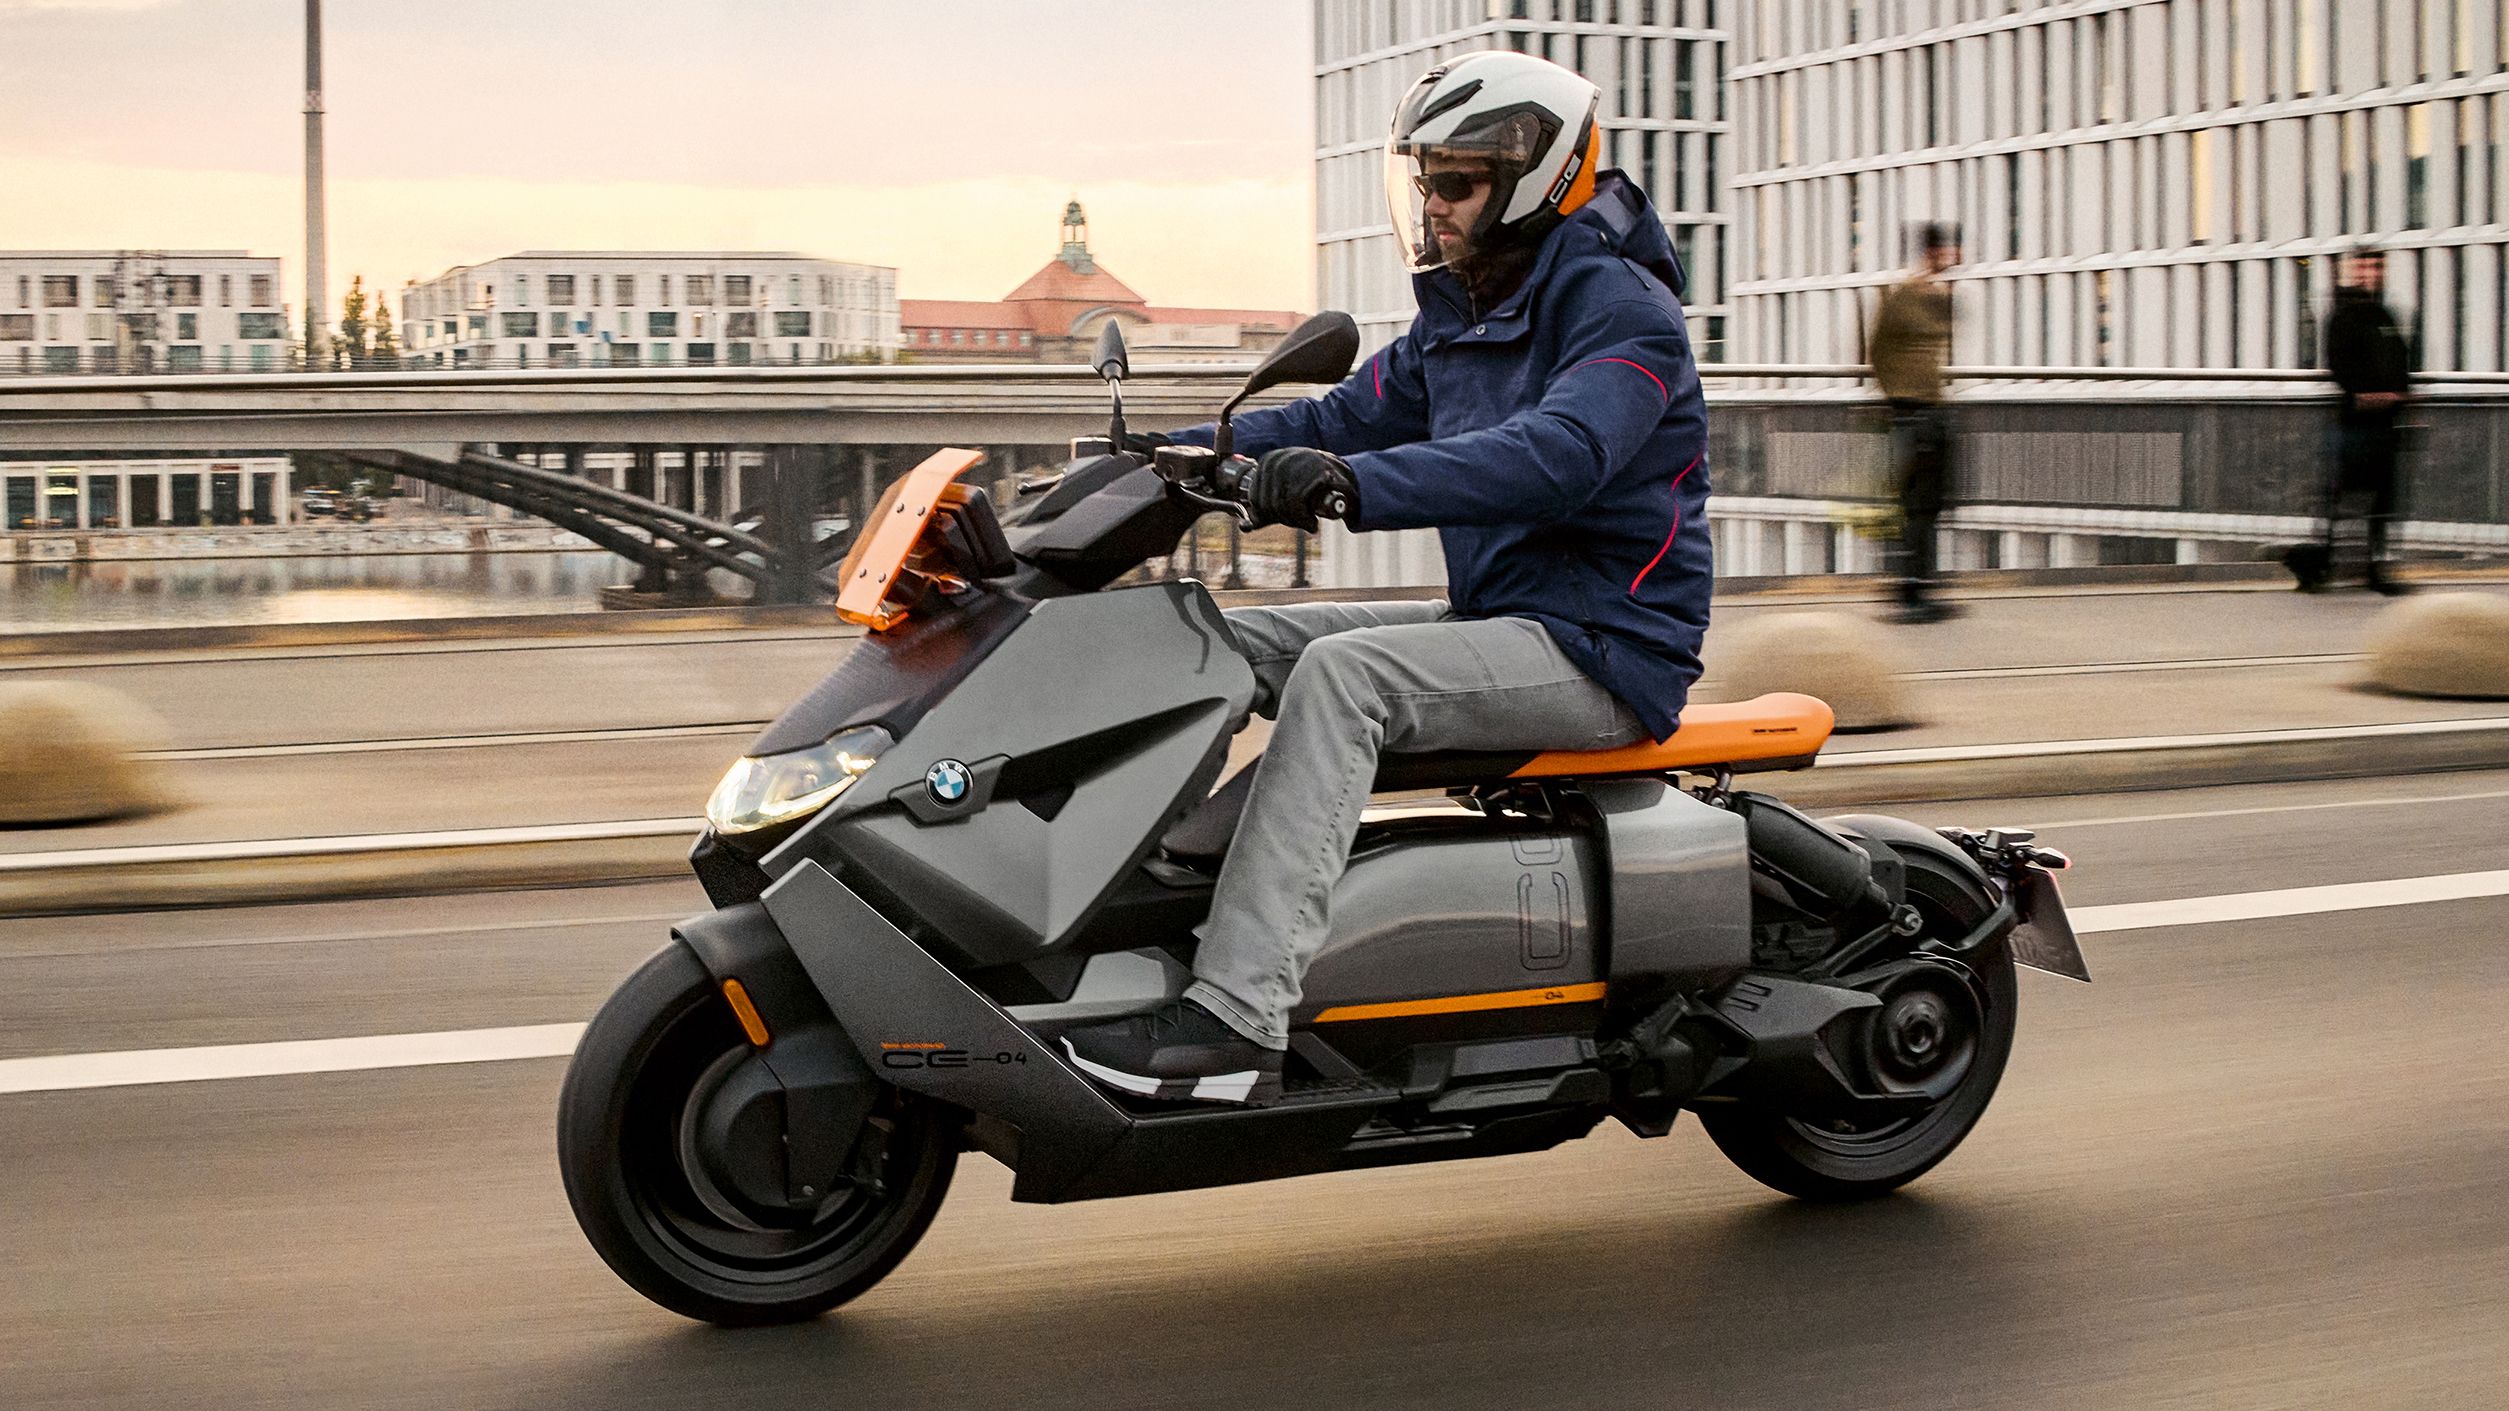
<point>2371,362</point>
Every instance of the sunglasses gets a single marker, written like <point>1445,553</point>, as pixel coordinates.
<point>1450,185</point>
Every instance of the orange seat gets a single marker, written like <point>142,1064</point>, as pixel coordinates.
<point>1780,728</point>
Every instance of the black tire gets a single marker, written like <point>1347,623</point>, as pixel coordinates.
<point>1834,1162</point>
<point>640,1066</point>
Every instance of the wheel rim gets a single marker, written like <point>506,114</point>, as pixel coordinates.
<point>1925,1038</point>
<point>678,1205</point>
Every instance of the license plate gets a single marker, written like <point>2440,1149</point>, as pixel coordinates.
<point>2044,939</point>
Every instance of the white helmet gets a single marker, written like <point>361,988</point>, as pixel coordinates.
<point>1530,120</point>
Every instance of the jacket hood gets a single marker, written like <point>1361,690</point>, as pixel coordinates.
<point>1630,229</point>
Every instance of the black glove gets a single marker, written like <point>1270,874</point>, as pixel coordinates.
<point>1142,443</point>
<point>1296,483</point>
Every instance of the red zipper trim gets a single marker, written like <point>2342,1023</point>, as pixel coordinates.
<point>1676,529</point>
<point>1624,362</point>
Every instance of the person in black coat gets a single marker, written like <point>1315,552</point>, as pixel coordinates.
<point>2369,359</point>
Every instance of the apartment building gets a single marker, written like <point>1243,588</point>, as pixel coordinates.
<point>2141,183</point>
<point>68,312</point>
<point>616,308</point>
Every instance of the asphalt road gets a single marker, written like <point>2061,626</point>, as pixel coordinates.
<point>2259,1163</point>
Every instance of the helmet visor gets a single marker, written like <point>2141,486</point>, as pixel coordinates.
<point>1441,200</point>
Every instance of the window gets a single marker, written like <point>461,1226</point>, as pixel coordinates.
<point>187,327</point>
<point>662,325</point>
<point>623,289</point>
<point>226,291</point>
<point>259,325</point>
<point>60,291</point>
<point>792,289</point>
<point>662,288</point>
<point>264,291</point>
<point>107,289</point>
<point>183,290</point>
<point>741,354</point>
<point>561,288</point>
<point>17,328</point>
<point>792,323</point>
<point>522,290</point>
<point>736,289</point>
<point>107,358</point>
<point>2417,171</point>
<point>701,355</point>
<point>661,355</point>
<point>699,290</point>
<point>626,355</point>
<point>1026,339</point>
<point>827,289</point>
<point>741,323</point>
<point>61,358</point>
<point>564,355</point>
<point>477,326</point>
<point>518,325</point>
<point>185,358</point>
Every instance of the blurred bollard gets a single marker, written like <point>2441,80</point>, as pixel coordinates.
<point>1236,564</point>
<point>69,754</point>
<point>1298,571</point>
<point>1841,659</point>
<point>2443,644</point>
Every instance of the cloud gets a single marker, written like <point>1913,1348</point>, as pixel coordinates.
<point>11,6</point>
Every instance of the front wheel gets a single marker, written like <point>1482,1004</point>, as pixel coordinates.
<point>627,1123</point>
<point>1834,1160</point>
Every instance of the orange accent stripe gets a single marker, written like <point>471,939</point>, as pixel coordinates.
<point>1581,190</point>
<point>751,1024</point>
<point>1465,1004</point>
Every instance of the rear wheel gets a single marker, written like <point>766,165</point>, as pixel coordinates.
<point>1938,1025</point>
<point>628,1130</point>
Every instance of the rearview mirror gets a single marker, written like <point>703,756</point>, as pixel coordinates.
<point>1109,359</point>
<point>1320,350</point>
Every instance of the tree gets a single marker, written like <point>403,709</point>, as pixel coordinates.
<point>352,348</point>
<point>386,351</point>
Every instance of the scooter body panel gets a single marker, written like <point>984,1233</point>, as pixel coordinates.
<point>1080,738</point>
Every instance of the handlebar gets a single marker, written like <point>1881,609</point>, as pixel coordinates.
<point>1200,476</point>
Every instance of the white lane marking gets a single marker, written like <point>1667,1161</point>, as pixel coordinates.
<point>156,945</point>
<point>2290,901</point>
<point>2396,802</point>
<point>465,742</point>
<point>61,1072</point>
<point>248,849</point>
<point>2031,749</point>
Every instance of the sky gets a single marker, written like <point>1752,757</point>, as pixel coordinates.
<point>938,136</point>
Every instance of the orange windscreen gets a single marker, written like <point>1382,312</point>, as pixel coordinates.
<point>871,574</point>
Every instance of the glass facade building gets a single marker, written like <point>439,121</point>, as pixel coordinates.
<point>2140,183</point>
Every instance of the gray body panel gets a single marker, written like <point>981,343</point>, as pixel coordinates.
<point>1679,875</point>
<point>1089,730</point>
<point>1423,917</point>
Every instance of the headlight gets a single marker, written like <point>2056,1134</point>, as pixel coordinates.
<point>761,792</point>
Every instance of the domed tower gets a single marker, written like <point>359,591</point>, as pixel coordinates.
<point>1076,240</point>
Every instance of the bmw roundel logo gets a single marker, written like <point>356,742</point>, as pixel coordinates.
<point>948,781</point>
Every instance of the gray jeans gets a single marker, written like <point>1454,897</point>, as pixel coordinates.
<point>1347,681</point>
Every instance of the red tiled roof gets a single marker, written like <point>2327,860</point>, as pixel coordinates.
<point>1253,318</point>
<point>1061,283</point>
<point>958,313</point>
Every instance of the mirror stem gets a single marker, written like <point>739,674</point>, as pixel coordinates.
<point>1224,437</point>
<point>1115,423</point>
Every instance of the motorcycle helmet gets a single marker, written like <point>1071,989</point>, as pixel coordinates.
<point>1530,121</point>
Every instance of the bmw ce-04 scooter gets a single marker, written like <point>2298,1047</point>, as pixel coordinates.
<point>996,820</point>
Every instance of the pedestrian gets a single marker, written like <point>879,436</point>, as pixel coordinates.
<point>1911,341</point>
<point>2368,357</point>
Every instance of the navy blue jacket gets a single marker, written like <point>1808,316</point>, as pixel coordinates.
<point>1558,443</point>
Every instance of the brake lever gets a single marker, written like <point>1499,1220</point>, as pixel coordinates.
<point>1245,516</point>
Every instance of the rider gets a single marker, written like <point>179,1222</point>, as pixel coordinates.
<point>1543,414</point>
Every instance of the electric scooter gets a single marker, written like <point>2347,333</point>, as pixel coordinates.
<point>997,819</point>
